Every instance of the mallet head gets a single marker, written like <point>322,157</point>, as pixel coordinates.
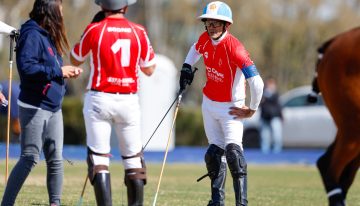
<point>6,29</point>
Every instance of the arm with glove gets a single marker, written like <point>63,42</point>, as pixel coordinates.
<point>187,73</point>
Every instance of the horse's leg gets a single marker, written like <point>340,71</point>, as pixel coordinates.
<point>332,188</point>
<point>349,173</point>
<point>345,150</point>
<point>323,164</point>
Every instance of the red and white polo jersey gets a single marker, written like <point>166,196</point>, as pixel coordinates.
<point>224,62</point>
<point>117,49</point>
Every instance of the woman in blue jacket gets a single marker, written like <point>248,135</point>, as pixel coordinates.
<point>40,47</point>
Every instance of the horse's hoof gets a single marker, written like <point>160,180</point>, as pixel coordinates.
<point>337,204</point>
<point>337,200</point>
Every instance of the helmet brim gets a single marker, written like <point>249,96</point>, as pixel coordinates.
<point>222,18</point>
<point>131,2</point>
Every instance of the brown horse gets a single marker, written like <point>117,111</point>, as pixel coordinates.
<point>338,80</point>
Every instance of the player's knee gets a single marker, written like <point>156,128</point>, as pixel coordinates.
<point>97,163</point>
<point>30,159</point>
<point>214,161</point>
<point>236,160</point>
<point>135,167</point>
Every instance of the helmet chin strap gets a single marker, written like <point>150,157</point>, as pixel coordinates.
<point>223,32</point>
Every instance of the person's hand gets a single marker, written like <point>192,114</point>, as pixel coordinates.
<point>186,76</point>
<point>71,71</point>
<point>3,100</point>
<point>241,113</point>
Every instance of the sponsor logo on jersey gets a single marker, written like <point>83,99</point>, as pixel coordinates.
<point>214,75</point>
<point>118,29</point>
<point>120,81</point>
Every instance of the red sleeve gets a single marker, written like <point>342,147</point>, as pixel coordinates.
<point>147,55</point>
<point>200,44</point>
<point>240,57</point>
<point>82,48</point>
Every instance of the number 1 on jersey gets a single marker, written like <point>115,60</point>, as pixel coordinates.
<point>124,46</point>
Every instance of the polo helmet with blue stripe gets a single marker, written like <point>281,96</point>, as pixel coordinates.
<point>217,10</point>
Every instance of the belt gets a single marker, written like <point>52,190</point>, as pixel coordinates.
<point>94,90</point>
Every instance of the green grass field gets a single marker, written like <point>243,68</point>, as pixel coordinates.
<point>280,185</point>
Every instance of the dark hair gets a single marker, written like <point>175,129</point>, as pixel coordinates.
<point>48,15</point>
<point>98,17</point>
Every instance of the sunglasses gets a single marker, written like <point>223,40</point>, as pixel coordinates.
<point>210,23</point>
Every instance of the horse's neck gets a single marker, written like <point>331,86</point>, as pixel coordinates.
<point>326,44</point>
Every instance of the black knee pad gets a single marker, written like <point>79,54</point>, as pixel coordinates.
<point>136,173</point>
<point>213,160</point>
<point>92,168</point>
<point>236,160</point>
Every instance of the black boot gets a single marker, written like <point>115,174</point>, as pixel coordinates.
<point>211,203</point>
<point>135,191</point>
<point>238,168</point>
<point>240,189</point>
<point>218,187</point>
<point>216,166</point>
<point>102,188</point>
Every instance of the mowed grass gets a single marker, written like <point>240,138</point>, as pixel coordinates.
<point>268,185</point>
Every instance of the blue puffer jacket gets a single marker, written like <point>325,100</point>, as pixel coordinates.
<point>39,66</point>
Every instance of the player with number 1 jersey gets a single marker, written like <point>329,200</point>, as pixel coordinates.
<point>121,47</point>
<point>118,50</point>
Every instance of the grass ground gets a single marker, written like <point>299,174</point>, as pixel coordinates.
<point>268,185</point>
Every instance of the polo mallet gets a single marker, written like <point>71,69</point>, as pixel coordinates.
<point>176,99</point>
<point>83,191</point>
<point>13,33</point>
<point>152,135</point>
<point>167,146</point>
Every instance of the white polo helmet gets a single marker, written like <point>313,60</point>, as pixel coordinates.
<point>217,10</point>
<point>114,5</point>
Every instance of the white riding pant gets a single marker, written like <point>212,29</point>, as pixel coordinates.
<point>221,128</point>
<point>122,111</point>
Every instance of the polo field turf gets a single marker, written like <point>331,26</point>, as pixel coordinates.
<point>268,185</point>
